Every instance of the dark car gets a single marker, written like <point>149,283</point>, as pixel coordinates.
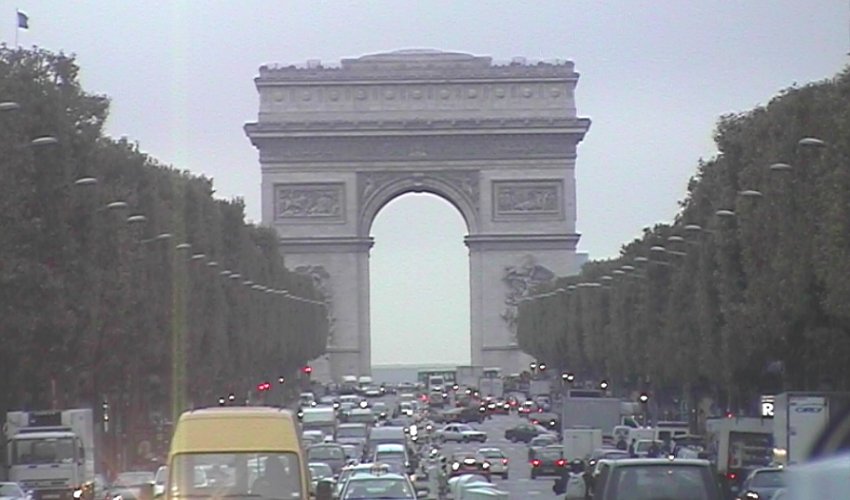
<point>549,461</point>
<point>466,462</point>
<point>549,421</point>
<point>655,478</point>
<point>524,433</point>
<point>464,415</point>
<point>331,453</point>
<point>764,482</point>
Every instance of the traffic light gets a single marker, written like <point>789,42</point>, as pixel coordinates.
<point>263,386</point>
<point>307,370</point>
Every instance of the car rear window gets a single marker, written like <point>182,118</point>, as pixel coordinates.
<point>647,482</point>
<point>491,453</point>
<point>768,479</point>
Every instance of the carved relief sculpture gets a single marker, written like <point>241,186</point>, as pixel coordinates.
<point>521,279</point>
<point>308,201</point>
<point>528,197</point>
<point>466,181</point>
<point>321,281</point>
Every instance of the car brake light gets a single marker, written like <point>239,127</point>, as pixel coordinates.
<point>535,422</point>
<point>535,463</point>
<point>561,462</point>
<point>504,461</point>
<point>731,475</point>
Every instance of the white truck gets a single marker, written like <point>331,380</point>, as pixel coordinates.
<point>583,409</point>
<point>579,442</point>
<point>738,445</point>
<point>799,418</point>
<point>494,387</point>
<point>468,376</point>
<point>51,453</point>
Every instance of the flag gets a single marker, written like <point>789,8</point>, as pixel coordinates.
<point>23,21</point>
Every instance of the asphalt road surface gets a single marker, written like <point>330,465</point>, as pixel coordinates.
<point>519,484</point>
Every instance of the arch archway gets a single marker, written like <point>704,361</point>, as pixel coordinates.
<point>497,141</point>
<point>419,283</point>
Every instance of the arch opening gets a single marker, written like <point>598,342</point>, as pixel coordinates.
<point>419,282</point>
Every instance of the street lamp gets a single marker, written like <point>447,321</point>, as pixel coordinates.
<point>542,367</point>
<point>643,398</point>
<point>221,401</point>
<point>85,181</point>
<point>603,385</point>
<point>46,140</point>
<point>231,397</point>
<point>532,366</point>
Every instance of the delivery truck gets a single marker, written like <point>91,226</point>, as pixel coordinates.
<point>799,418</point>
<point>51,453</point>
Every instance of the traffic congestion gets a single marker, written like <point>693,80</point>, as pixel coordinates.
<point>436,438</point>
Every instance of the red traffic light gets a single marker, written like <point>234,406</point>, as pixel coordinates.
<point>307,369</point>
<point>263,386</point>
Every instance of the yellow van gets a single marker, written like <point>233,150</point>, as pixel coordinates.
<point>238,452</point>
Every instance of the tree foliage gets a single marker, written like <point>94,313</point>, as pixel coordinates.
<point>731,305</point>
<point>94,306</point>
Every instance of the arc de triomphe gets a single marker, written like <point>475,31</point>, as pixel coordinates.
<point>496,141</point>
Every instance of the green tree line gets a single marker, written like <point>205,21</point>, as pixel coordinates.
<point>746,290</point>
<point>122,278</point>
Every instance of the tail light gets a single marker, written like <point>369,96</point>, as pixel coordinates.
<point>561,462</point>
<point>504,461</point>
<point>732,476</point>
<point>535,422</point>
<point>535,463</point>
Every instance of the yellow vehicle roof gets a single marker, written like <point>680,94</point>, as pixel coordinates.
<point>235,429</point>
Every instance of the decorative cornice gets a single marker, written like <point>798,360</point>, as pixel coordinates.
<point>325,244</point>
<point>531,125</point>
<point>521,242</point>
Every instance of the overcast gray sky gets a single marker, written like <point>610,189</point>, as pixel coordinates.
<point>655,75</point>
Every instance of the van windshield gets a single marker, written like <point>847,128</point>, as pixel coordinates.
<point>271,475</point>
<point>351,432</point>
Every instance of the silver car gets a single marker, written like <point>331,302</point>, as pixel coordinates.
<point>499,465</point>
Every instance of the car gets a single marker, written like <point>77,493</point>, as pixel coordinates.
<point>378,485</point>
<point>12,491</point>
<point>499,463</point>
<point>373,392</point>
<point>463,415</point>
<point>524,432</point>
<point>548,461</point>
<point>319,471</point>
<point>350,471</point>
<point>312,437</point>
<point>763,482</point>
<point>526,408</point>
<point>361,416</point>
<point>643,447</point>
<point>159,479</point>
<point>130,485</point>
<point>352,433</point>
<point>605,454</point>
<point>380,409</point>
<point>540,442</point>
<point>549,421</point>
<point>468,462</point>
<point>330,453</point>
<point>461,433</point>
<point>655,478</point>
<point>391,452</point>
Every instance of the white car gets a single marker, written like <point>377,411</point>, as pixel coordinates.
<point>462,433</point>
<point>12,491</point>
<point>498,461</point>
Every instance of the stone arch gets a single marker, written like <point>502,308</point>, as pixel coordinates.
<point>374,200</point>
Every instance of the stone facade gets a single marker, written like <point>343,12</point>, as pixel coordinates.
<point>338,143</point>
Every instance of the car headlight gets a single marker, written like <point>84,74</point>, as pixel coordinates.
<point>455,466</point>
<point>78,493</point>
<point>485,465</point>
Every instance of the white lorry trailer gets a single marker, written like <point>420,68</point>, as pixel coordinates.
<point>799,418</point>
<point>595,412</point>
<point>579,443</point>
<point>51,453</point>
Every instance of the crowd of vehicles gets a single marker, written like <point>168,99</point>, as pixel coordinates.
<point>352,443</point>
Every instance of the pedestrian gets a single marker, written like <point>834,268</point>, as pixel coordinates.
<point>632,452</point>
<point>621,444</point>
